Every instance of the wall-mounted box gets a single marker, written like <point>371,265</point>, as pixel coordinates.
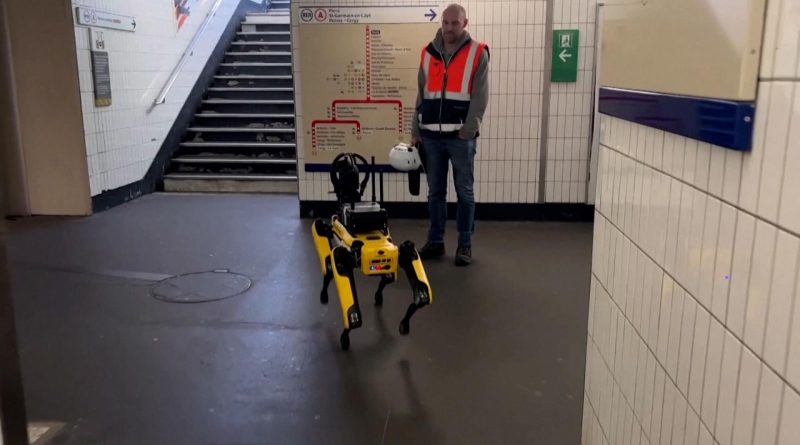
<point>684,66</point>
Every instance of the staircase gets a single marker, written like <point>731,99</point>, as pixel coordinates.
<point>242,138</point>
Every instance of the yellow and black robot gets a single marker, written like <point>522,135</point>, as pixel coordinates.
<point>357,238</point>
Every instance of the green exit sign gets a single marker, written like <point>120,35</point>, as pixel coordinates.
<point>565,55</point>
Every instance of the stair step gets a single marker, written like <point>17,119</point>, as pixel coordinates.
<point>259,53</point>
<point>229,160</point>
<point>242,64</point>
<point>240,144</point>
<point>213,185</point>
<point>247,102</point>
<point>240,130</point>
<point>248,115</point>
<point>222,176</point>
<point>263,33</point>
<point>234,93</point>
<point>252,89</point>
<point>269,19</point>
<point>247,42</point>
<point>252,77</point>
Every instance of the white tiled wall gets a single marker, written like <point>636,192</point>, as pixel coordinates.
<point>694,325</point>
<point>123,139</point>
<point>571,107</point>
<point>507,164</point>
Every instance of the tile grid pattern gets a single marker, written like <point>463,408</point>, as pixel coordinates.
<point>122,140</point>
<point>694,328</point>
<point>571,109</point>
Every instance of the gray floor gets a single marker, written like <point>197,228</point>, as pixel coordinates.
<point>498,359</point>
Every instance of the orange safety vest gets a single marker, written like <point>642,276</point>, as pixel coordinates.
<point>448,87</point>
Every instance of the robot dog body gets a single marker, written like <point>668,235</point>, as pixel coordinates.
<point>357,238</point>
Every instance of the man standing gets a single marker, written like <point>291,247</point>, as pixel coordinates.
<point>452,97</point>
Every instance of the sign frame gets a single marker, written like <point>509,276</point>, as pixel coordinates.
<point>566,46</point>
<point>103,19</point>
<point>355,15</point>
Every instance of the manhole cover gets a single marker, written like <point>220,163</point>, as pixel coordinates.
<point>201,287</point>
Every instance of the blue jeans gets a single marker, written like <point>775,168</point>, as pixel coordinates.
<point>461,153</point>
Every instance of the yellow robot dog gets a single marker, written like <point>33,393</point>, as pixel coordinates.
<point>357,237</point>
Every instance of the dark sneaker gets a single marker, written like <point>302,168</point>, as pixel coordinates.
<point>464,256</point>
<point>431,250</point>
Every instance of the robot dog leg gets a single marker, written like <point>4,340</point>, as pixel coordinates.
<point>337,265</point>
<point>423,296</point>
<point>343,267</point>
<point>322,232</point>
<point>385,281</point>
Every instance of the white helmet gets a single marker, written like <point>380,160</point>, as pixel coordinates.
<point>405,157</point>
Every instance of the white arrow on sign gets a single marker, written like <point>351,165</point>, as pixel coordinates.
<point>564,55</point>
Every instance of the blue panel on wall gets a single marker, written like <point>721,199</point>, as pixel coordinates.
<point>720,122</point>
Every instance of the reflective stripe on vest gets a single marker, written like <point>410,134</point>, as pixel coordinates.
<point>446,128</point>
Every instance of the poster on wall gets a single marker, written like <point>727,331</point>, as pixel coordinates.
<point>358,78</point>
<point>101,71</point>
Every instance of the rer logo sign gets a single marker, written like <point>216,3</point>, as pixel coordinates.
<point>565,55</point>
<point>306,15</point>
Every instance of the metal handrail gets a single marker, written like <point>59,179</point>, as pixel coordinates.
<point>162,96</point>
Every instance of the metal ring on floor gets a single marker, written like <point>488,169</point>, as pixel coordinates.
<point>201,287</point>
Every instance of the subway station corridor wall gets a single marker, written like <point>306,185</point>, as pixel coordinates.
<point>123,139</point>
<point>507,168</point>
<point>694,323</point>
<point>42,153</point>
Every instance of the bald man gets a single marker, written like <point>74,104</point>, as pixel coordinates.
<point>452,97</point>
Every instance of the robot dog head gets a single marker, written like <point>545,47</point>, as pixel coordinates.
<point>345,177</point>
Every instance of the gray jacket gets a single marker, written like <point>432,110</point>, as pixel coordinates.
<point>480,90</point>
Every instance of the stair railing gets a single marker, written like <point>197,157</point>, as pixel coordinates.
<point>162,96</point>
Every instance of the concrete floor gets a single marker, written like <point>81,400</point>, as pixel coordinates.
<point>498,359</point>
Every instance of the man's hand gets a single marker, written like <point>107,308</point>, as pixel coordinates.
<point>414,140</point>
